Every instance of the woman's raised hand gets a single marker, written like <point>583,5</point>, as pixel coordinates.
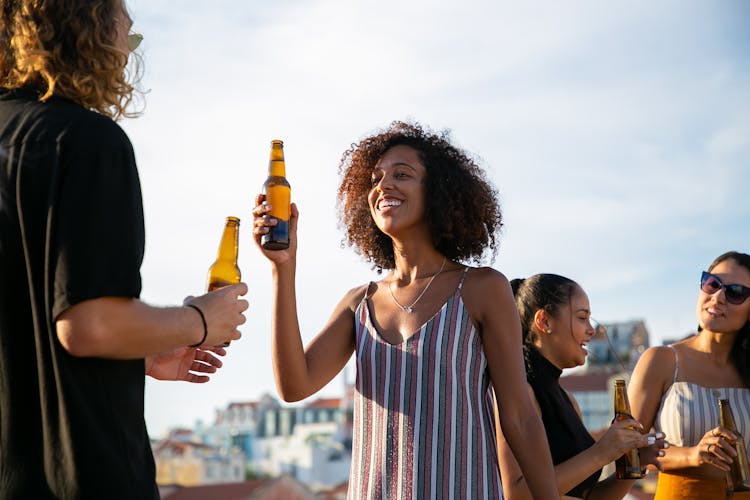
<point>261,224</point>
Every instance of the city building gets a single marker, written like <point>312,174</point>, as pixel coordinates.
<point>617,346</point>
<point>310,443</point>
<point>187,463</point>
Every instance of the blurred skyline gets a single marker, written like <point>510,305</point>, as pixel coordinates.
<point>617,135</point>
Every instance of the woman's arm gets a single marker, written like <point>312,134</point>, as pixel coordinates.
<point>490,303</point>
<point>300,371</point>
<point>618,438</point>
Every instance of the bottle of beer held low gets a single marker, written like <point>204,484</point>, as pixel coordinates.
<point>225,271</point>
<point>739,474</point>
<point>278,194</point>
<point>627,466</point>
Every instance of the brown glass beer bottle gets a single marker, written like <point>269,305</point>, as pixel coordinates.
<point>739,475</point>
<point>278,195</point>
<point>224,271</point>
<point>627,466</point>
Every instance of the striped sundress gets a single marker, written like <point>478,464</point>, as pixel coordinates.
<point>689,410</point>
<point>686,413</point>
<point>423,418</point>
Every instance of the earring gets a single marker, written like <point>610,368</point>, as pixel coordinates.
<point>549,330</point>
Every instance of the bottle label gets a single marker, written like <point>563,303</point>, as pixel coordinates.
<point>280,198</point>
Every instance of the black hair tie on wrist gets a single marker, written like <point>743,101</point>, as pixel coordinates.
<point>205,326</point>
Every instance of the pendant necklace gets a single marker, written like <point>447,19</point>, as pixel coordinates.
<point>410,308</point>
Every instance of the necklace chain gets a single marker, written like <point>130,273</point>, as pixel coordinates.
<point>410,308</point>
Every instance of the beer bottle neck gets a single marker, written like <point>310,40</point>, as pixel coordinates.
<point>229,242</point>
<point>277,168</point>
<point>621,401</point>
<point>726,419</point>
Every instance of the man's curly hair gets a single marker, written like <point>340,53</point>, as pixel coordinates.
<point>67,48</point>
<point>461,206</point>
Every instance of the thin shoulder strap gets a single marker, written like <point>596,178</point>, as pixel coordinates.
<point>367,291</point>
<point>674,351</point>
<point>463,277</point>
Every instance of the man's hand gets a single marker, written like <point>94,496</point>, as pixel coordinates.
<point>180,364</point>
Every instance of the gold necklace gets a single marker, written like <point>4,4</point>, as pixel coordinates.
<point>410,308</point>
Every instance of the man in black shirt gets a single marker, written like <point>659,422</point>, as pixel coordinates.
<point>75,341</point>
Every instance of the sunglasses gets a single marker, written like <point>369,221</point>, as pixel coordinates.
<point>735,294</point>
<point>134,40</point>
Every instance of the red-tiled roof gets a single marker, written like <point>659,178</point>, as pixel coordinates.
<point>169,443</point>
<point>243,404</point>
<point>324,403</point>
<point>228,491</point>
<point>282,488</point>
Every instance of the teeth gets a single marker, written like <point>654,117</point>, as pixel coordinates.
<point>390,203</point>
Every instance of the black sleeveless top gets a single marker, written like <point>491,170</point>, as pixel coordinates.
<point>566,433</point>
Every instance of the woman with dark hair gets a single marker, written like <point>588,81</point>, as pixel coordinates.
<point>429,338</point>
<point>676,388</point>
<point>556,325</point>
<point>75,340</point>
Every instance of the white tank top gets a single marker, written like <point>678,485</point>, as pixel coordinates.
<point>689,410</point>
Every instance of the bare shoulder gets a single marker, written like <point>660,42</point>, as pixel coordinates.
<point>657,355</point>
<point>489,299</point>
<point>483,281</point>
<point>354,297</point>
<point>656,364</point>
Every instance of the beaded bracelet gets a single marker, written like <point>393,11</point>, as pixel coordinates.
<point>205,326</point>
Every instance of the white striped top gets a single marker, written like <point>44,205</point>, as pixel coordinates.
<point>689,410</point>
<point>423,421</point>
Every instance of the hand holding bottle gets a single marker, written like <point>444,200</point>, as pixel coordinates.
<point>715,448</point>
<point>223,311</point>
<point>262,224</point>
<point>622,436</point>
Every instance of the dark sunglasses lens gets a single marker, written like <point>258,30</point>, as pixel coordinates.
<point>736,294</point>
<point>710,284</point>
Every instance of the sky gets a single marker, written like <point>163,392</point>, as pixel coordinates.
<point>616,133</point>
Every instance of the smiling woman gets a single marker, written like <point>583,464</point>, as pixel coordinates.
<point>429,339</point>
<point>556,324</point>
<point>676,388</point>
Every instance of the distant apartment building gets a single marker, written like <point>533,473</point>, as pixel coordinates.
<point>310,443</point>
<point>187,463</point>
<point>616,343</point>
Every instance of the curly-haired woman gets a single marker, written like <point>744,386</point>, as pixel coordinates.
<point>429,338</point>
<point>75,341</point>
<point>676,388</point>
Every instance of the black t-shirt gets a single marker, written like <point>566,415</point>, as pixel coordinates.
<point>71,229</point>
<point>566,433</point>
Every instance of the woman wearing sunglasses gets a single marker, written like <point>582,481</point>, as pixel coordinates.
<point>556,325</point>
<point>676,388</point>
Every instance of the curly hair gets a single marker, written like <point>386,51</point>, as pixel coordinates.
<point>461,207</point>
<point>67,48</point>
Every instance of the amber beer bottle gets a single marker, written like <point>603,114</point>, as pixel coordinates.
<point>627,466</point>
<point>278,195</point>
<point>739,474</point>
<point>224,271</point>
